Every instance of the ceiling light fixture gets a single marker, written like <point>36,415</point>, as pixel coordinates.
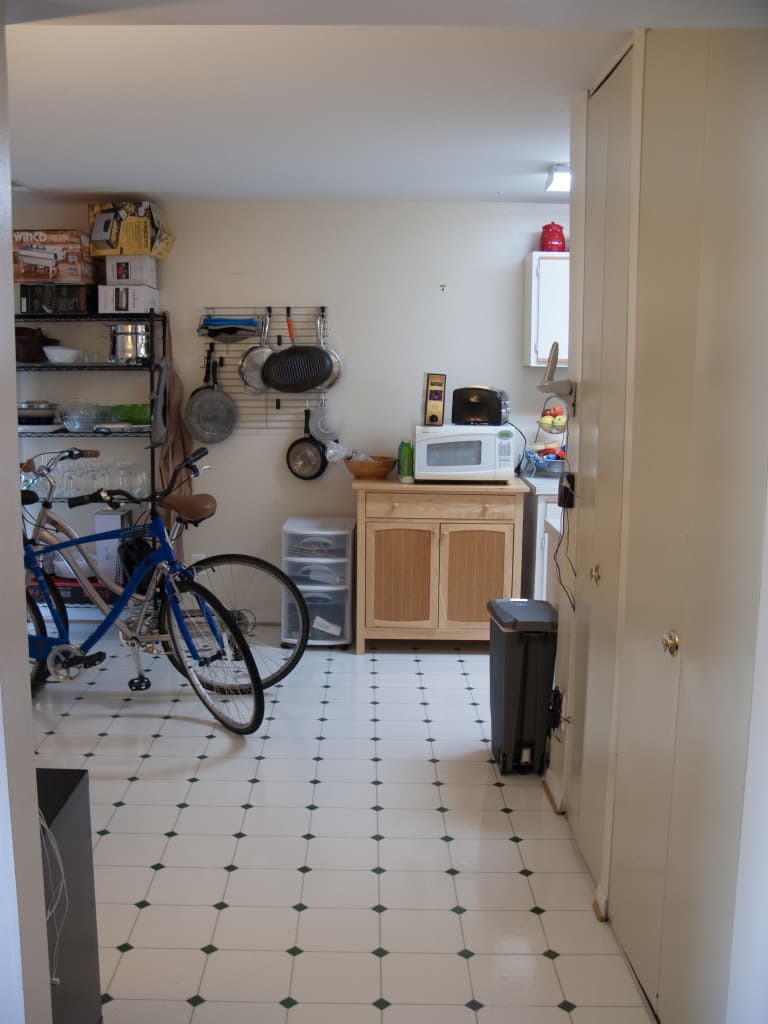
<point>559,179</point>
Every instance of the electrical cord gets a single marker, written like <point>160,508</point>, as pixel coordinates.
<point>57,887</point>
<point>525,445</point>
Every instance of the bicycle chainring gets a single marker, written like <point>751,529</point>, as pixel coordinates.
<point>57,662</point>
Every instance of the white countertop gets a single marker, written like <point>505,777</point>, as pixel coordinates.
<point>541,484</point>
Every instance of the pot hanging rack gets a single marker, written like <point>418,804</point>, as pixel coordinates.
<point>242,356</point>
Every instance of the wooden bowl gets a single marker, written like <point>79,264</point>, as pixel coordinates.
<point>377,469</point>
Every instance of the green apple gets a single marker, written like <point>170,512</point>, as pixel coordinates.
<point>559,422</point>
<point>546,422</point>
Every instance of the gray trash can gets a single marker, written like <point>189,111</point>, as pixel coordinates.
<point>522,651</point>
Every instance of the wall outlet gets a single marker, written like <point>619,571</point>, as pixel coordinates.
<point>566,492</point>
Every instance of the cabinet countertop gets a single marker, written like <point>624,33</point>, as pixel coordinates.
<point>540,484</point>
<point>508,489</point>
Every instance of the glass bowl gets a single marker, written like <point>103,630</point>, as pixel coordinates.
<point>81,417</point>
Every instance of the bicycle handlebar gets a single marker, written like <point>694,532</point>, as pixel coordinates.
<point>187,463</point>
<point>29,466</point>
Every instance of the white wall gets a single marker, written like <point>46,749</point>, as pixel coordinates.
<point>379,268</point>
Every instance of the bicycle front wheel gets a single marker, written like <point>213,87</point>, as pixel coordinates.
<point>215,657</point>
<point>267,606</point>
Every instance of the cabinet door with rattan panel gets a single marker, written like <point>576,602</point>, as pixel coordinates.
<point>401,569</point>
<point>475,567</point>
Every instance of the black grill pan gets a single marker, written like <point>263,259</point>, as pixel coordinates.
<point>298,368</point>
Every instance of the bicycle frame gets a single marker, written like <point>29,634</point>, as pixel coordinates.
<point>161,555</point>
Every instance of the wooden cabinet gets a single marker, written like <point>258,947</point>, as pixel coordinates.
<point>431,556</point>
<point>546,306</point>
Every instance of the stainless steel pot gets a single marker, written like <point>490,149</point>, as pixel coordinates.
<point>37,413</point>
<point>129,343</point>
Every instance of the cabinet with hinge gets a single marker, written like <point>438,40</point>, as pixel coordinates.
<point>430,557</point>
<point>546,306</point>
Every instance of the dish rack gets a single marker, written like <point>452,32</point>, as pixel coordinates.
<point>317,555</point>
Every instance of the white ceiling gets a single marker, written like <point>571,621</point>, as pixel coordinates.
<point>286,99</point>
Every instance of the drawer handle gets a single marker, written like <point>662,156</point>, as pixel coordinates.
<point>315,543</point>
<point>395,506</point>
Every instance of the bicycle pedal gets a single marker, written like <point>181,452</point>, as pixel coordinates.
<point>139,683</point>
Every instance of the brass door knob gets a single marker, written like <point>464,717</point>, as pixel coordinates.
<point>670,642</point>
<point>595,575</point>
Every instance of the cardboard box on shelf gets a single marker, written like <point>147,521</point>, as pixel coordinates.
<point>54,299</point>
<point>129,229</point>
<point>52,255</point>
<point>128,298</point>
<point>107,557</point>
<point>131,270</point>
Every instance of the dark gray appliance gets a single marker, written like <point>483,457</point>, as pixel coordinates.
<point>480,405</point>
<point>522,652</point>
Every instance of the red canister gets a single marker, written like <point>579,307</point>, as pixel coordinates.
<point>552,238</point>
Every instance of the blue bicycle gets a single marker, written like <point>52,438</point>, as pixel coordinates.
<point>160,608</point>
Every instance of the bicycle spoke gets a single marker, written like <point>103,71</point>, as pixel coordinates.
<point>266,605</point>
<point>215,657</point>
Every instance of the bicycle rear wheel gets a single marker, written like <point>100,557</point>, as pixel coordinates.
<point>36,610</point>
<point>38,670</point>
<point>215,657</point>
<point>267,606</point>
<point>55,595</point>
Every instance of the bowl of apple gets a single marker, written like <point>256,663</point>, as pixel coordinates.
<point>553,420</point>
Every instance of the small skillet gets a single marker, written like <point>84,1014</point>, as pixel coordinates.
<point>306,455</point>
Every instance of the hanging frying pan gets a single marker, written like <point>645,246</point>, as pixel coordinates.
<point>255,357</point>
<point>298,368</point>
<point>210,414</point>
<point>321,324</point>
<point>306,455</point>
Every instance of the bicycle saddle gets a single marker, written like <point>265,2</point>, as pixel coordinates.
<point>191,508</point>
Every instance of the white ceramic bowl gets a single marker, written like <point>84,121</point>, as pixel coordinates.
<point>59,354</point>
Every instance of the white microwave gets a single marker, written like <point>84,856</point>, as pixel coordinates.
<point>457,452</point>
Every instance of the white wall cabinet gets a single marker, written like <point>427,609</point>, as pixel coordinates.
<point>546,306</point>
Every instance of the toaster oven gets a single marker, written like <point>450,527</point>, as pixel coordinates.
<point>479,405</point>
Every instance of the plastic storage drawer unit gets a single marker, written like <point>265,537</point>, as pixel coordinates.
<point>317,555</point>
<point>522,651</point>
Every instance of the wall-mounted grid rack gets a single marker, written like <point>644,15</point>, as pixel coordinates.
<point>268,409</point>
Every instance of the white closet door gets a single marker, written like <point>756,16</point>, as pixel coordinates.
<point>721,571</point>
<point>601,411</point>
<point>696,506</point>
<point>658,504</point>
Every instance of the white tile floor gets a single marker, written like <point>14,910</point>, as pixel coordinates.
<point>358,859</point>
